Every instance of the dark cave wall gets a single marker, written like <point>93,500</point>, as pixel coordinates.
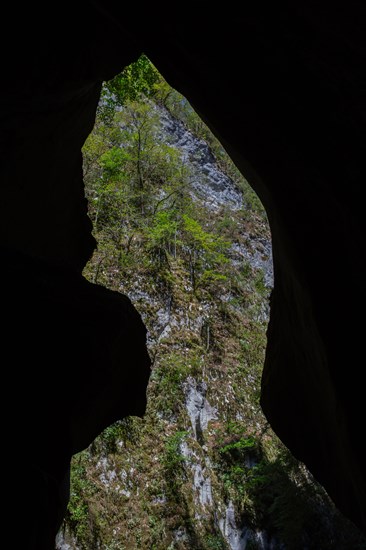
<point>283,89</point>
<point>74,354</point>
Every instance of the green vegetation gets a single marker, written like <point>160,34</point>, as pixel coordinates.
<point>165,482</point>
<point>78,513</point>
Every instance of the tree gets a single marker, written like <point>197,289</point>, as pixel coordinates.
<point>135,81</point>
<point>205,252</point>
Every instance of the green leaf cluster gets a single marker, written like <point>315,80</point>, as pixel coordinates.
<point>78,515</point>
<point>241,444</point>
<point>135,81</point>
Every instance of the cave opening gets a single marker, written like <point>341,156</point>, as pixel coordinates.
<point>284,89</point>
<point>182,233</point>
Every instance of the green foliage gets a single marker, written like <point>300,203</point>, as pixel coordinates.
<point>136,80</point>
<point>173,458</point>
<point>206,252</point>
<point>240,445</point>
<point>227,225</point>
<point>173,462</point>
<point>78,515</point>
<point>215,542</point>
<point>167,382</point>
<point>111,162</point>
<point>259,283</point>
<point>125,431</point>
<point>163,233</point>
<point>252,202</point>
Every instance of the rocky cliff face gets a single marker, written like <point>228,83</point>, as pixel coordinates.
<point>202,469</point>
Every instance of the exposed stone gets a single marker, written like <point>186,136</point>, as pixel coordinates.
<point>210,184</point>
<point>199,410</point>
